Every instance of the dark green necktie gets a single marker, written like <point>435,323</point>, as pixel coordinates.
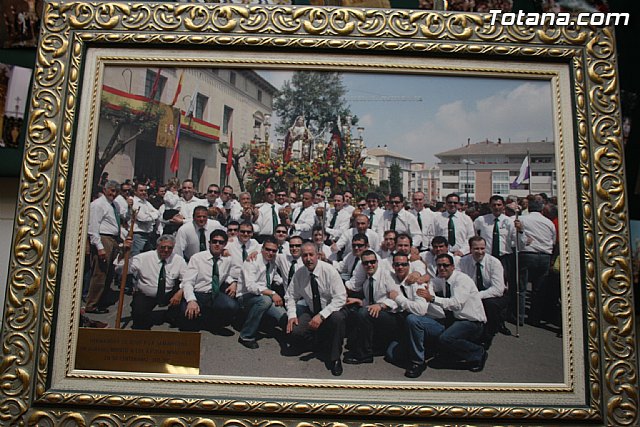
<point>333,220</point>
<point>419,220</point>
<point>244,252</point>
<point>117,215</point>
<point>274,219</point>
<point>393,221</point>
<point>355,264</point>
<point>203,241</point>
<point>292,270</point>
<point>371,214</point>
<point>162,283</point>
<point>495,241</point>
<point>215,277</point>
<point>268,276</point>
<point>479,280</point>
<point>371,300</point>
<point>452,231</point>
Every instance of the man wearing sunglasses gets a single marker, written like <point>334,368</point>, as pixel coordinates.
<point>423,321</point>
<point>245,246</point>
<point>374,316</point>
<point>268,218</point>
<point>337,218</point>
<point>401,220</point>
<point>192,238</point>
<point>282,234</point>
<point>321,316</point>
<point>258,293</point>
<point>362,227</point>
<point>350,262</point>
<point>232,207</point>
<point>289,262</point>
<point>464,321</point>
<point>209,286</point>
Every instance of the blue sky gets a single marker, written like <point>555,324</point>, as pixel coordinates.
<point>452,110</point>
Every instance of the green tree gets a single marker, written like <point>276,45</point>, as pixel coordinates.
<point>383,189</point>
<point>395,178</point>
<point>240,166</point>
<point>318,96</point>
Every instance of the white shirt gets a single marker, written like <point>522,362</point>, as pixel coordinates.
<point>333,294</point>
<point>539,233</point>
<point>102,220</point>
<point>345,241</point>
<point>347,266</point>
<point>465,302</point>
<point>377,224</point>
<point>483,226</point>
<point>146,268</point>
<point>123,207</point>
<point>492,274</point>
<point>302,225</point>
<point>379,289</point>
<point>234,209</point>
<point>283,263</point>
<point>171,200</point>
<point>430,262</point>
<point>188,238</point>
<point>266,214</point>
<point>409,301</point>
<point>146,216</point>
<point>235,249</point>
<point>197,277</point>
<point>254,276</point>
<point>186,207</point>
<point>343,220</point>
<point>428,221</point>
<point>405,223</point>
<point>463,227</point>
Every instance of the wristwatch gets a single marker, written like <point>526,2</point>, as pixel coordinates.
<point>273,293</point>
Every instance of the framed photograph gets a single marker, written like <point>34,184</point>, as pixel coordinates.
<point>155,91</point>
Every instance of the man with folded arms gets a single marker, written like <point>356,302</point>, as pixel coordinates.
<point>424,322</point>
<point>374,319</point>
<point>209,287</point>
<point>488,275</point>
<point>320,287</point>
<point>257,294</point>
<point>146,218</point>
<point>158,273</point>
<point>465,318</point>
<point>192,237</point>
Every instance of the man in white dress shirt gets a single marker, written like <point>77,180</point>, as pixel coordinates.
<point>321,315</point>
<point>289,262</point>
<point>424,322</point>
<point>157,273</point>
<point>232,207</point>
<point>488,275</point>
<point>209,287</point>
<point>362,227</point>
<point>245,246</point>
<point>401,220</point>
<point>535,261</point>
<point>303,217</point>
<point>257,294</point>
<point>464,321</point>
<point>456,226</point>
<point>375,318</point>
<point>426,220</point>
<point>375,213</point>
<point>192,238</point>
<point>338,219</point>
<point>187,203</point>
<point>104,236</point>
<point>268,217</point>
<point>146,218</point>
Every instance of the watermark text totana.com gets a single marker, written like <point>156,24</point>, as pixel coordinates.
<point>560,18</point>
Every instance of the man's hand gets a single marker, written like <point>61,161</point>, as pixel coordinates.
<point>252,256</point>
<point>412,278</point>
<point>458,253</point>
<point>231,289</point>
<point>334,247</point>
<point>277,300</point>
<point>414,254</point>
<point>356,301</point>
<point>315,322</point>
<point>393,294</point>
<point>102,255</point>
<point>177,219</point>
<point>291,323</point>
<point>424,293</point>
<point>193,310</point>
<point>374,310</point>
<point>423,279</point>
<point>176,298</point>
<point>127,243</point>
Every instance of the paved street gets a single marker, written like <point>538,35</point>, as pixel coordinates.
<point>534,357</point>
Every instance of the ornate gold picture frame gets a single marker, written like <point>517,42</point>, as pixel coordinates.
<point>79,41</point>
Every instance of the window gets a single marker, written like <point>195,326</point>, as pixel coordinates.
<point>201,104</point>
<point>259,95</point>
<point>449,173</point>
<point>467,181</point>
<point>226,120</point>
<point>153,79</point>
<point>500,182</point>
<point>197,169</point>
<point>232,78</point>
<point>450,185</point>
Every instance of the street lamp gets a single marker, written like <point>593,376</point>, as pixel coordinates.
<point>467,162</point>
<point>267,127</point>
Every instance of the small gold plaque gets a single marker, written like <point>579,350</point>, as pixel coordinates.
<point>166,352</point>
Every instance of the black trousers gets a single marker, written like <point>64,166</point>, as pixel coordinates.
<point>328,338</point>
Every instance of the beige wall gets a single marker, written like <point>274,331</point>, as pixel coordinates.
<point>8,193</point>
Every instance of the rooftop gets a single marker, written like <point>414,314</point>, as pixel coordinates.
<point>384,151</point>
<point>504,149</point>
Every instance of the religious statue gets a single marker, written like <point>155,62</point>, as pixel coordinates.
<point>298,137</point>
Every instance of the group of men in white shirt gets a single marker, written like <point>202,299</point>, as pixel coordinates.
<point>410,283</point>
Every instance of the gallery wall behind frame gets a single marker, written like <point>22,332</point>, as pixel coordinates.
<point>597,224</point>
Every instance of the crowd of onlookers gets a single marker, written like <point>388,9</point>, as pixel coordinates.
<point>414,280</point>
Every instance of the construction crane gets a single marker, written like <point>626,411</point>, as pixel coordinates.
<point>384,98</point>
